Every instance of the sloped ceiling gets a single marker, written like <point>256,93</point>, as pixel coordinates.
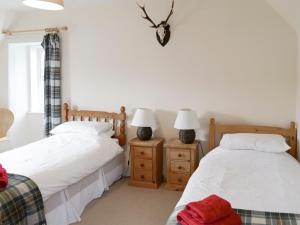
<point>289,10</point>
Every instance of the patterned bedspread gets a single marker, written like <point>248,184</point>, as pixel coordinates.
<point>21,203</point>
<point>252,218</point>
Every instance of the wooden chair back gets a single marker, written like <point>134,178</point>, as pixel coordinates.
<point>6,121</point>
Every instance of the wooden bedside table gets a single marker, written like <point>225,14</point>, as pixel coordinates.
<point>182,161</point>
<point>146,162</point>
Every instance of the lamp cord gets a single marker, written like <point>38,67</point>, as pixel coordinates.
<point>201,149</point>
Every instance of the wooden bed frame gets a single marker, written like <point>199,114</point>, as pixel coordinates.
<point>217,130</point>
<point>118,119</point>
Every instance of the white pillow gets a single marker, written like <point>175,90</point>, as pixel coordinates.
<point>84,127</point>
<point>109,133</point>
<point>259,142</point>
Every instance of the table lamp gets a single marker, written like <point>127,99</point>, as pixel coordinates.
<point>186,122</point>
<point>144,120</point>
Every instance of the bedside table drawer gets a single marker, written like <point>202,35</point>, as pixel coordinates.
<point>142,152</point>
<point>145,164</point>
<point>181,179</point>
<point>143,175</point>
<point>180,166</point>
<point>180,155</point>
<point>182,160</point>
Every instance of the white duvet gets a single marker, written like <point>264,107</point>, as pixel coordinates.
<point>61,160</point>
<point>250,180</point>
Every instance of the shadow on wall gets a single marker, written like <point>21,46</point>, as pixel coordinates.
<point>186,11</point>
<point>298,147</point>
<point>165,123</point>
<point>165,120</point>
<point>203,133</point>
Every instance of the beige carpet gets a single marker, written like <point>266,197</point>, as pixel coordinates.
<point>124,205</point>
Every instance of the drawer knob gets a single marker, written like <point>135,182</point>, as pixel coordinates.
<point>179,180</point>
<point>142,153</point>
<point>179,155</point>
<point>142,177</point>
<point>142,165</point>
<point>179,167</point>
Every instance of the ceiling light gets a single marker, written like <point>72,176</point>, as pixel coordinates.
<point>45,4</point>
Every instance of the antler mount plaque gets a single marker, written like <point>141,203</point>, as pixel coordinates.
<point>163,32</point>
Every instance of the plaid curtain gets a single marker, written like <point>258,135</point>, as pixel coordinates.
<point>52,78</point>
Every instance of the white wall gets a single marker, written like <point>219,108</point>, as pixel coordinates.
<point>289,10</point>
<point>6,18</point>
<point>298,97</point>
<point>235,60</point>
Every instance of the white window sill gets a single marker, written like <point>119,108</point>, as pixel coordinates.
<point>3,139</point>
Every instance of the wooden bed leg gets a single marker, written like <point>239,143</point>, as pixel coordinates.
<point>122,135</point>
<point>293,140</point>
<point>66,112</point>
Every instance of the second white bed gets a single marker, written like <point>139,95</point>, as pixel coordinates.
<point>250,180</point>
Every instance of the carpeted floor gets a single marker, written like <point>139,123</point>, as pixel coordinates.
<point>124,205</point>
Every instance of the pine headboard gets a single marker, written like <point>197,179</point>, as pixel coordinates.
<point>216,130</point>
<point>118,119</point>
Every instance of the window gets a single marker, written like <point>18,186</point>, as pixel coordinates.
<point>36,78</point>
<point>25,89</point>
<point>26,77</point>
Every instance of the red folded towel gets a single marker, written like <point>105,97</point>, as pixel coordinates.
<point>210,209</point>
<point>3,177</point>
<point>184,218</point>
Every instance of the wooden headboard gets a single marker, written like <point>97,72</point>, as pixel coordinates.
<point>118,119</point>
<point>217,130</point>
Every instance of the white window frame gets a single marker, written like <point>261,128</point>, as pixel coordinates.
<point>38,69</point>
<point>28,60</point>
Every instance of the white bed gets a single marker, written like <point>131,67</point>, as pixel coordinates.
<point>253,170</point>
<point>72,167</point>
<point>66,206</point>
<point>70,170</point>
<point>250,180</point>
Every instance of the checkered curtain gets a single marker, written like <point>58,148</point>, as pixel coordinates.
<point>52,78</point>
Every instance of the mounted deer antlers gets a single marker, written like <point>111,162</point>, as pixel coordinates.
<point>163,32</point>
<point>171,12</point>
<point>146,17</point>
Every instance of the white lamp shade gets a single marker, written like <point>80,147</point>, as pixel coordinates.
<point>186,120</point>
<point>45,4</point>
<point>143,118</point>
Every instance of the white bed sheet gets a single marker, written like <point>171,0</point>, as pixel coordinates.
<point>250,180</point>
<point>66,207</point>
<point>59,161</point>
